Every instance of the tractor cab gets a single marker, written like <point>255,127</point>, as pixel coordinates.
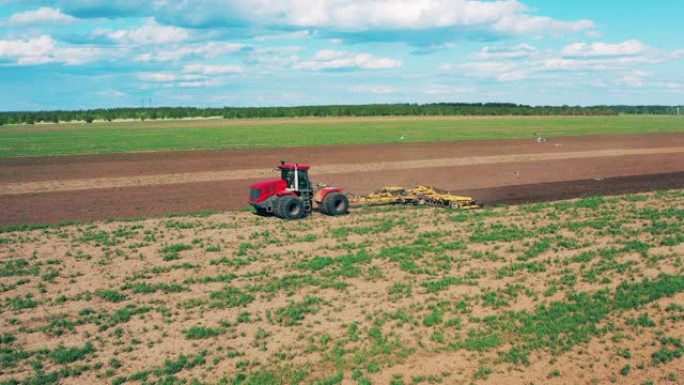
<point>296,176</point>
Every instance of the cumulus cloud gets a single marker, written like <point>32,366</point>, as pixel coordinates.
<point>212,69</point>
<point>200,83</point>
<point>631,81</point>
<point>499,70</point>
<point>505,52</point>
<point>191,76</point>
<point>523,24</point>
<point>606,56</point>
<point>44,49</point>
<point>625,48</point>
<point>296,35</point>
<point>508,16</point>
<point>440,89</point>
<point>373,89</point>
<point>150,33</point>
<point>45,15</point>
<point>344,60</point>
<point>210,50</point>
<point>432,48</point>
<point>500,16</point>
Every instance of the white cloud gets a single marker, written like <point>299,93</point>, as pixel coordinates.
<point>512,52</point>
<point>208,69</point>
<point>149,33</point>
<point>605,62</point>
<point>45,15</point>
<point>209,50</point>
<point>296,35</point>
<point>344,60</point>
<point>432,48</point>
<point>164,77</point>
<point>157,76</point>
<point>624,64</point>
<point>625,48</point>
<point>44,49</point>
<point>508,16</point>
<point>39,46</point>
<point>503,71</point>
<point>373,89</point>
<point>636,78</point>
<point>501,16</point>
<point>200,83</point>
<point>438,89</point>
<point>112,94</point>
<point>191,76</point>
<point>631,81</point>
<point>522,24</point>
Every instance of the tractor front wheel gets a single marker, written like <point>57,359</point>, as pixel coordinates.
<point>290,208</point>
<point>335,204</point>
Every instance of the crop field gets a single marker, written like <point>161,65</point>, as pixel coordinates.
<point>120,137</point>
<point>585,291</point>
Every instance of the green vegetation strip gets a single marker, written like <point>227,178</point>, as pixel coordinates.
<point>122,137</point>
<point>561,325</point>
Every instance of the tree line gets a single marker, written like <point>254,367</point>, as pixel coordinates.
<point>444,109</point>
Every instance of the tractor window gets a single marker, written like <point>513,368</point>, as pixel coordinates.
<point>304,180</point>
<point>289,177</point>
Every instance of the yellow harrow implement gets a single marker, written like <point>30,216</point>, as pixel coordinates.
<point>419,195</point>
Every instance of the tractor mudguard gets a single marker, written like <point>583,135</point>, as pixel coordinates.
<point>322,193</point>
<point>284,193</point>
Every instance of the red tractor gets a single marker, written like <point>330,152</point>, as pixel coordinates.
<point>292,196</point>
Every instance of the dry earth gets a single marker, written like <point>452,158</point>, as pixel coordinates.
<point>82,188</point>
<point>587,291</point>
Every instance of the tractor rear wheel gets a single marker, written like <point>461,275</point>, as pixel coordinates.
<point>289,207</point>
<point>335,204</point>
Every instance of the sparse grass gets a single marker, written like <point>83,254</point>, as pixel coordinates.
<point>111,295</point>
<point>201,332</point>
<point>387,295</point>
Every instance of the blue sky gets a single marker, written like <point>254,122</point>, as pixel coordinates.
<point>77,54</point>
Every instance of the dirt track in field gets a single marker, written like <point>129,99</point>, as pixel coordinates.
<point>79,188</point>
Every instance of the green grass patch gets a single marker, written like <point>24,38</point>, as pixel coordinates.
<point>201,332</point>
<point>110,295</point>
<point>122,137</point>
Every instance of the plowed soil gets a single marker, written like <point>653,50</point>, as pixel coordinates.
<point>91,187</point>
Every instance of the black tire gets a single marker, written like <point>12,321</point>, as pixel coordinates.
<point>261,212</point>
<point>289,208</point>
<point>335,204</point>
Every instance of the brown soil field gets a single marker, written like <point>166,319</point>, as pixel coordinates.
<point>586,291</point>
<point>81,188</point>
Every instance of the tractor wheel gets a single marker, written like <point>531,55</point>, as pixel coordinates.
<point>261,212</point>
<point>335,204</point>
<point>290,208</point>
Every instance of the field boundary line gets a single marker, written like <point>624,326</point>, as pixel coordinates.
<point>227,175</point>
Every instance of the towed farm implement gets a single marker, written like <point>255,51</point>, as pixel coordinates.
<point>419,195</point>
<point>293,196</point>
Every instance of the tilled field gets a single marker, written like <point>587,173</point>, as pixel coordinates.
<point>82,188</point>
<point>586,291</point>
